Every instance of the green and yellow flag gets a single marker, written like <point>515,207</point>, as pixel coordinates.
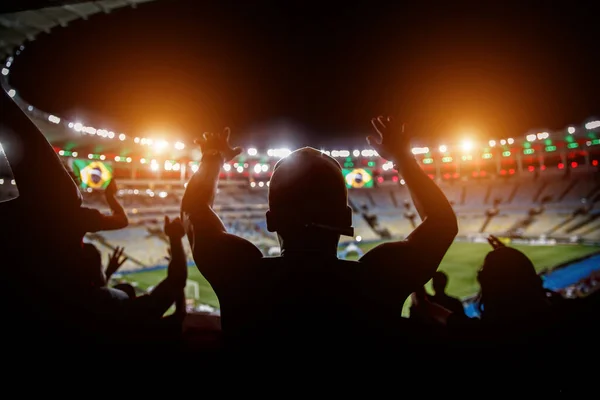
<point>92,174</point>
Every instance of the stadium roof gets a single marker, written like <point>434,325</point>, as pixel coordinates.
<point>24,20</point>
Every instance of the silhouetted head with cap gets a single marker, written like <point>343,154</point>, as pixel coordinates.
<point>308,202</point>
<point>510,284</point>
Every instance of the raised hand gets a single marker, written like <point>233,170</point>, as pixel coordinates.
<point>111,189</point>
<point>495,242</point>
<point>115,262</point>
<point>390,141</point>
<point>174,229</point>
<point>218,142</point>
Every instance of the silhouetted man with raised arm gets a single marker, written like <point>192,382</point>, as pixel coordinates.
<point>307,295</point>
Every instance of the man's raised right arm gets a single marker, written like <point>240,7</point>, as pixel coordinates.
<point>212,246</point>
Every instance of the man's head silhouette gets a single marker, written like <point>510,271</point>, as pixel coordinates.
<point>307,194</point>
<point>439,282</point>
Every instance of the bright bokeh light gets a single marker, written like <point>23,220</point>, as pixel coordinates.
<point>510,140</point>
<point>356,153</point>
<point>531,138</point>
<point>154,167</point>
<point>160,145</point>
<point>443,148</point>
<point>78,126</point>
<point>122,137</point>
<point>261,184</point>
<point>467,145</point>
<point>226,167</point>
<point>359,238</point>
<point>179,145</point>
<point>5,71</point>
<point>252,151</point>
<point>12,92</point>
<point>592,125</point>
<point>492,143</point>
<point>571,130</point>
<point>240,169</point>
<point>420,150</point>
<point>503,142</point>
<point>257,168</point>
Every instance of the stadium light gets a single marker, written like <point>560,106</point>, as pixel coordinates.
<point>420,150</point>
<point>368,153</point>
<point>179,146</point>
<point>592,125</point>
<point>571,130</point>
<point>160,145</point>
<point>467,145</point>
<point>443,148</point>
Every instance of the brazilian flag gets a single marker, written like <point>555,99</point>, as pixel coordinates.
<point>358,178</point>
<point>93,174</point>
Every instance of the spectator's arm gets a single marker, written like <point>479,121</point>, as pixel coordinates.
<point>35,165</point>
<point>432,238</point>
<point>212,246</point>
<point>118,219</point>
<point>171,289</point>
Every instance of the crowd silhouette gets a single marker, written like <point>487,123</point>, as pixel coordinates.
<point>306,303</point>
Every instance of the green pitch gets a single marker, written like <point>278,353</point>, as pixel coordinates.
<point>460,263</point>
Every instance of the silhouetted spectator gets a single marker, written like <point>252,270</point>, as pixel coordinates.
<point>439,283</point>
<point>307,296</point>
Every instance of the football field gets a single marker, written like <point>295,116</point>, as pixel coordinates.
<point>461,263</point>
